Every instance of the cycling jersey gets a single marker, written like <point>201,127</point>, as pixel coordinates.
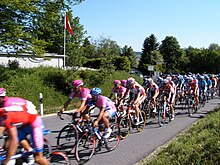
<point>83,94</point>
<point>103,101</point>
<point>119,90</point>
<point>22,114</point>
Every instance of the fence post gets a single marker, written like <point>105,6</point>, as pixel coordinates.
<point>41,104</point>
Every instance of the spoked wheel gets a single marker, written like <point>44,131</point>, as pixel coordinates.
<point>113,140</point>
<point>67,138</point>
<point>142,121</point>
<point>58,158</point>
<point>161,116</point>
<point>125,127</point>
<point>85,148</point>
<point>190,107</point>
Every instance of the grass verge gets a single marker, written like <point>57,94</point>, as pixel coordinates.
<point>198,144</point>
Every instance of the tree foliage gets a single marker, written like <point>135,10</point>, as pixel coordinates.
<point>128,52</point>
<point>172,54</point>
<point>150,53</point>
<point>35,26</point>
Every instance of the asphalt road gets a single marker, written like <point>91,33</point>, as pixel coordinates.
<point>137,145</point>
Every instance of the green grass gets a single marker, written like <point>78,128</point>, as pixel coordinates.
<point>198,145</point>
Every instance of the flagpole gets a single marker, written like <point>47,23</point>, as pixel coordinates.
<point>64,43</point>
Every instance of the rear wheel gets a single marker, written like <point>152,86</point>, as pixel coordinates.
<point>58,158</point>
<point>47,148</point>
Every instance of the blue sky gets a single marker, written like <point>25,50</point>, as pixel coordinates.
<point>194,23</point>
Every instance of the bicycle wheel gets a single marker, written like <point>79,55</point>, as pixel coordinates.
<point>161,115</point>
<point>142,120</point>
<point>113,140</point>
<point>58,157</point>
<point>125,127</point>
<point>67,138</point>
<point>47,148</point>
<point>85,148</point>
<point>190,107</point>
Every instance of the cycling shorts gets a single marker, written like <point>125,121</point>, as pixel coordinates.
<point>36,131</point>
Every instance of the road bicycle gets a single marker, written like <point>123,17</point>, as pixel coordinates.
<point>122,120</point>
<point>163,112</point>
<point>21,156</point>
<point>92,141</point>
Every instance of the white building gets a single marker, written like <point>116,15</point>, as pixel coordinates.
<point>28,61</point>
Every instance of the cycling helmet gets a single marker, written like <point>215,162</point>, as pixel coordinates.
<point>165,81</point>
<point>150,80</point>
<point>169,78</point>
<point>123,82</point>
<point>96,91</point>
<point>190,78</point>
<point>130,81</point>
<point>117,82</point>
<point>2,92</point>
<point>77,83</point>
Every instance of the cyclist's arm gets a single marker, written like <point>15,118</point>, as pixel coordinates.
<point>82,106</point>
<point>102,111</point>
<point>13,142</point>
<point>66,105</point>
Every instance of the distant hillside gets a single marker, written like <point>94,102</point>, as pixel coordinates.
<point>138,54</point>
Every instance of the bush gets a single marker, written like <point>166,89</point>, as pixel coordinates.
<point>13,64</point>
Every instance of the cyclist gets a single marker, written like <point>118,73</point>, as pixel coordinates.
<point>194,89</point>
<point>137,96</point>
<point>153,90</point>
<point>123,83</point>
<point>107,109</point>
<point>214,84</point>
<point>19,118</point>
<point>202,87</point>
<point>169,93</point>
<point>81,93</point>
<point>209,85</point>
<point>118,90</point>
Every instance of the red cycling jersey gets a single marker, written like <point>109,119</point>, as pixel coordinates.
<point>16,113</point>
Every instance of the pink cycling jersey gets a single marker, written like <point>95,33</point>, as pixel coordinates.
<point>104,102</point>
<point>10,101</point>
<point>120,91</point>
<point>83,94</point>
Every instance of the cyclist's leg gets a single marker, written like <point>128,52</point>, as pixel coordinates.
<point>38,140</point>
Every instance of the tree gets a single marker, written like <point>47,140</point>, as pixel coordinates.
<point>172,54</point>
<point>33,26</point>
<point>131,55</point>
<point>149,53</point>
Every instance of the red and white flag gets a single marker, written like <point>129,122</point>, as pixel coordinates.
<point>67,25</point>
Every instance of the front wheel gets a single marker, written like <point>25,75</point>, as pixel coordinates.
<point>85,148</point>
<point>142,121</point>
<point>67,138</point>
<point>125,126</point>
<point>113,140</point>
